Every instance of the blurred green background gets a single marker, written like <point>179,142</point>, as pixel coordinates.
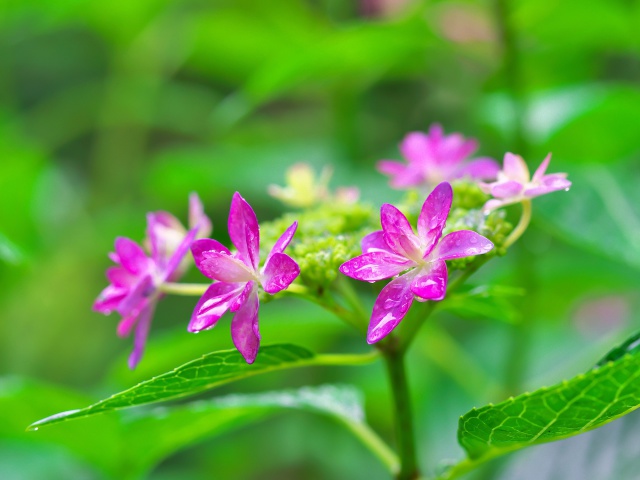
<point>112,109</point>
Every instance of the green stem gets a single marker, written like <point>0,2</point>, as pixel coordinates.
<point>328,303</point>
<point>525,218</point>
<point>375,444</point>
<point>405,438</point>
<point>346,358</point>
<point>188,289</point>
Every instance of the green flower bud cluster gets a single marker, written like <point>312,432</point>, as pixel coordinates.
<point>327,236</point>
<point>467,195</point>
<point>493,226</point>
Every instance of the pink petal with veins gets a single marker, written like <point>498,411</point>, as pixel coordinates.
<point>279,271</point>
<point>244,231</point>
<point>462,243</point>
<point>398,232</point>
<point>213,304</point>
<point>374,266</point>
<point>244,328</point>
<point>391,306</point>
<point>431,283</point>
<point>375,242</point>
<point>433,215</point>
<point>540,171</point>
<point>225,268</point>
<point>283,241</point>
<point>131,256</point>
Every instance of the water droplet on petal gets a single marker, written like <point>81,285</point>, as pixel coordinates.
<point>473,240</point>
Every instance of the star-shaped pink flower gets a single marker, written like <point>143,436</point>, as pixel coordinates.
<point>515,184</point>
<point>238,277</point>
<point>435,157</point>
<point>133,283</point>
<point>396,249</point>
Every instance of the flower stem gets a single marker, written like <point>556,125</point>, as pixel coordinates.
<point>188,289</point>
<point>525,218</point>
<point>405,438</point>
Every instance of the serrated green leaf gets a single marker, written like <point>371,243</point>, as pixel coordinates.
<point>209,371</point>
<point>569,408</point>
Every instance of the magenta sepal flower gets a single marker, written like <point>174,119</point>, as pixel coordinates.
<point>436,157</point>
<point>515,184</point>
<point>396,248</point>
<point>238,277</point>
<point>133,283</point>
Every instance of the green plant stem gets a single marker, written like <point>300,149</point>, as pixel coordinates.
<point>187,289</point>
<point>405,438</point>
<point>327,302</point>
<point>525,218</point>
<point>375,445</point>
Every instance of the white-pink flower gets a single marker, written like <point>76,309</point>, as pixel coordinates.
<point>515,184</point>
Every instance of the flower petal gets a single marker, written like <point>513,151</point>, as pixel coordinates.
<point>170,271</point>
<point>515,168</point>
<point>109,299</point>
<point>506,189</point>
<point>131,256</point>
<point>279,271</point>
<point>120,277</point>
<point>493,204</point>
<point>164,232</point>
<point>375,242</point>
<point>374,266</point>
<point>420,149</point>
<point>223,267</point>
<point>431,283</point>
<point>213,304</point>
<point>206,245</point>
<point>244,327</point>
<point>283,241</point>
<point>481,169</point>
<point>244,231</point>
<point>140,337</point>
<point>134,299</point>
<point>540,171</point>
<point>197,217</point>
<point>398,232</point>
<point>550,183</point>
<point>463,243</point>
<point>433,215</point>
<point>390,308</point>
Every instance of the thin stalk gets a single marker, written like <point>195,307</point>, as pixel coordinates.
<point>187,289</point>
<point>375,444</point>
<point>405,437</point>
<point>525,218</point>
<point>328,303</point>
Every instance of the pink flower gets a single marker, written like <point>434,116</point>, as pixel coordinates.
<point>515,184</point>
<point>435,157</point>
<point>133,283</point>
<point>396,249</point>
<point>239,276</point>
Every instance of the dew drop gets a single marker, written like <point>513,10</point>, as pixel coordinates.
<point>473,240</point>
<point>566,189</point>
<point>35,429</point>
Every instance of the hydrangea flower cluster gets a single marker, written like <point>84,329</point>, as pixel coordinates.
<point>396,248</point>
<point>133,283</point>
<point>238,276</point>
<point>435,157</point>
<point>332,224</point>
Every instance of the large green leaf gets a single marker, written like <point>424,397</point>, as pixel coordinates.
<point>569,408</point>
<point>209,371</point>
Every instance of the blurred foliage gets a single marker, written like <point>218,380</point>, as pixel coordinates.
<point>112,109</point>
